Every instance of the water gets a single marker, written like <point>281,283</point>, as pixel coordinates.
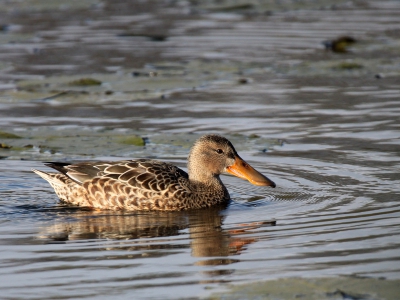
<point>328,137</point>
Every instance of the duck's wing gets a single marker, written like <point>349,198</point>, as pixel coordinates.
<point>131,184</point>
<point>143,174</point>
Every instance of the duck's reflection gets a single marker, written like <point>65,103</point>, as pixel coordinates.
<point>207,236</point>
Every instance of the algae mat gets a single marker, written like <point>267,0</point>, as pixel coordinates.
<point>315,289</point>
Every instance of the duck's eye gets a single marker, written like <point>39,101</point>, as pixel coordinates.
<point>219,151</point>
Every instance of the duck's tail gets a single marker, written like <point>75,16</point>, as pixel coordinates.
<point>52,178</point>
<point>66,189</point>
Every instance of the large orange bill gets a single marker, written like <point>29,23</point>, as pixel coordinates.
<point>243,170</point>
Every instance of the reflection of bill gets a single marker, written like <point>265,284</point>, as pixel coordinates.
<point>138,232</point>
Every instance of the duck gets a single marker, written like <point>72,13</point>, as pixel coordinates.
<point>153,185</point>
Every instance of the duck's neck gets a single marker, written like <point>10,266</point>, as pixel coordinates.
<point>211,188</point>
<point>205,181</point>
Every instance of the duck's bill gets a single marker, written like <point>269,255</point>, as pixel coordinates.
<point>243,170</point>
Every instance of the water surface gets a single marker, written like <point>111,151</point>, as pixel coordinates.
<point>327,134</point>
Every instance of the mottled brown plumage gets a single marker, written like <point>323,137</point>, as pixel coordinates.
<point>145,184</point>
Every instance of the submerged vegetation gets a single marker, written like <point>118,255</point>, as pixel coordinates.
<point>348,65</point>
<point>85,82</point>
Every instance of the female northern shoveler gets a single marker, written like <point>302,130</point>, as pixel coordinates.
<point>145,184</point>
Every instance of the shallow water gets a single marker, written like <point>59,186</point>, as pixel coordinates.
<point>328,137</point>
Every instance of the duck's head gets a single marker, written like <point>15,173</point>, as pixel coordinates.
<point>212,155</point>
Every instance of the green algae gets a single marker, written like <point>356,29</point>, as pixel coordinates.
<point>348,65</point>
<point>85,82</point>
<point>153,81</point>
<point>7,135</point>
<point>340,45</point>
<point>5,146</point>
<point>48,143</point>
<point>349,287</point>
<point>133,140</point>
<point>253,136</point>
